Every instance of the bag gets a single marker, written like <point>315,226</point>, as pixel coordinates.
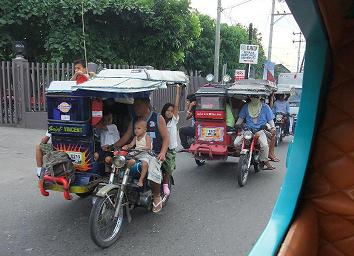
<point>59,163</point>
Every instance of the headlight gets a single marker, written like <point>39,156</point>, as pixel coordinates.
<point>119,161</point>
<point>247,135</point>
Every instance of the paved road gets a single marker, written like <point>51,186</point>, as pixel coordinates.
<point>207,215</point>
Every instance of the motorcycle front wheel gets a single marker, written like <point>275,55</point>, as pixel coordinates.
<point>104,227</point>
<point>242,170</point>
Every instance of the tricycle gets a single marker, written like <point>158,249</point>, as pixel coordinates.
<point>73,112</point>
<point>214,139</point>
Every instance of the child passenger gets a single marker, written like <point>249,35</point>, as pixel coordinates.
<point>170,114</point>
<point>141,141</point>
<point>108,134</point>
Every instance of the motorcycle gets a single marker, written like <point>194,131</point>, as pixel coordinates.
<point>115,200</point>
<point>250,155</point>
<point>280,123</point>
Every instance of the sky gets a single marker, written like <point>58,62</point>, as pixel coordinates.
<point>258,12</point>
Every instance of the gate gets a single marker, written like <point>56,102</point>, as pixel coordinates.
<point>23,85</point>
<point>9,93</point>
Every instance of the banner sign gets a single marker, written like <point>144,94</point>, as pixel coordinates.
<point>240,74</point>
<point>249,53</point>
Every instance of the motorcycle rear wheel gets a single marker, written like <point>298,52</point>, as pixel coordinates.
<point>242,170</point>
<point>103,212</point>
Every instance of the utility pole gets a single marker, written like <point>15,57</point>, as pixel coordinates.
<point>248,66</point>
<point>272,22</point>
<point>217,43</point>
<point>302,63</point>
<point>299,50</point>
<point>270,42</point>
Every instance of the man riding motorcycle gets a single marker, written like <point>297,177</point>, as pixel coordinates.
<point>281,105</point>
<point>157,130</point>
<point>256,115</point>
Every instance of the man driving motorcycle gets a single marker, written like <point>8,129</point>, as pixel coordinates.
<point>281,105</point>
<point>256,115</point>
<point>157,130</point>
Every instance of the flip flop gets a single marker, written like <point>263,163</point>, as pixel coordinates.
<point>269,168</point>
<point>274,159</point>
<point>157,207</point>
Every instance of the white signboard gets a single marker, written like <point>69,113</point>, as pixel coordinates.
<point>240,74</point>
<point>249,53</point>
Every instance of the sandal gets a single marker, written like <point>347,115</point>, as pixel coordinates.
<point>157,207</point>
<point>274,159</point>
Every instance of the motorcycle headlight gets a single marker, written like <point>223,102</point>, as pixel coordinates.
<point>247,135</point>
<point>119,161</point>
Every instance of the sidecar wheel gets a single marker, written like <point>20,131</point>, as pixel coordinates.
<point>200,162</point>
<point>104,228</point>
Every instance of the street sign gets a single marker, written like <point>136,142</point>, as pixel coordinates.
<point>249,53</point>
<point>240,74</point>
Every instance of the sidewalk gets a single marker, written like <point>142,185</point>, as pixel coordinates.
<point>17,154</point>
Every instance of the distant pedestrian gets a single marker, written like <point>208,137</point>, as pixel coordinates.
<point>186,133</point>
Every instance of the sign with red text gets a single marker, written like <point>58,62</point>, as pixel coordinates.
<point>240,74</point>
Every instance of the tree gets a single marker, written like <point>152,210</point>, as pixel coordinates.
<point>137,32</point>
<point>201,55</point>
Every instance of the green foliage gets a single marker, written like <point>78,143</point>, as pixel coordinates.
<point>155,32</point>
<point>201,56</point>
<point>161,33</point>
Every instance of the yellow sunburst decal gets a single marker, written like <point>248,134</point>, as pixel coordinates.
<point>81,159</point>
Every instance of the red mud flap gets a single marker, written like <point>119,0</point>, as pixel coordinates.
<point>59,180</point>
<point>207,149</point>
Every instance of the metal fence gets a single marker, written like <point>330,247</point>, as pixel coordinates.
<point>23,85</point>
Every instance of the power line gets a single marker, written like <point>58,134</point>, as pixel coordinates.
<point>233,6</point>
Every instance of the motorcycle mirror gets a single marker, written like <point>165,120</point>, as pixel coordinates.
<point>210,77</point>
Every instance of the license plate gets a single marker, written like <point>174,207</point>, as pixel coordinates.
<point>212,134</point>
<point>76,157</point>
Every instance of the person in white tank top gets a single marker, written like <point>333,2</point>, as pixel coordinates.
<point>141,141</point>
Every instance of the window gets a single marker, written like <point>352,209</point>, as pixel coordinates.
<point>210,103</point>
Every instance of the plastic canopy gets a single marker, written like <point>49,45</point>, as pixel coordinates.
<point>252,87</point>
<point>123,81</point>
